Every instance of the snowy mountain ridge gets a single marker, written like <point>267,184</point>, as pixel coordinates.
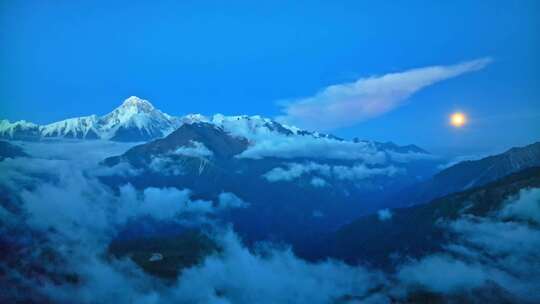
<point>21,129</point>
<point>137,119</point>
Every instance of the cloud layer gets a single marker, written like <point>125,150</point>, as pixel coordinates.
<point>491,258</point>
<point>356,172</point>
<point>345,104</point>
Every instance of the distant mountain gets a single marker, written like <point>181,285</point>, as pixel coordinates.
<point>216,142</point>
<point>417,230</point>
<point>8,150</point>
<point>135,120</point>
<point>473,173</point>
<point>390,146</point>
<point>19,130</point>
<point>311,182</point>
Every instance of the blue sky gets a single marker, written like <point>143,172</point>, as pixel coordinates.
<point>62,59</point>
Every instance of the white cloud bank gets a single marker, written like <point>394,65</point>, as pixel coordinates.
<point>345,104</point>
<point>357,172</point>
<point>384,214</point>
<point>526,206</point>
<point>488,256</point>
<point>238,275</point>
<point>312,147</point>
<point>197,149</point>
<point>501,257</point>
<point>230,200</point>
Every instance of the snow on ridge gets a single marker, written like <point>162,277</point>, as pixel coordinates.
<point>135,101</point>
<point>79,125</point>
<point>136,112</point>
<point>267,137</point>
<point>133,113</point>
<point>196,149</point>
<point>7,125</point>
<point>8,129</point>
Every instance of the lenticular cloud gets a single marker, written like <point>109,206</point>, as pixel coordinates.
<point>343,105</point>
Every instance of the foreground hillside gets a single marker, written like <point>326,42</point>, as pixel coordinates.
<point>421,230</point>
<point>472,173</point>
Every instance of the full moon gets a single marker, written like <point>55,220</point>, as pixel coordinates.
<point>458,119</point>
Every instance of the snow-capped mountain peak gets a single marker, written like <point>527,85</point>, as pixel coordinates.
<point>135,119</point>
<point>131,107</point>
<point>135,104</point>
<point>133,111</point>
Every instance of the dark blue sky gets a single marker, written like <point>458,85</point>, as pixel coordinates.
<point>62,59</point>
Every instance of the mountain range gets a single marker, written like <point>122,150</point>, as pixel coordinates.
<point>134,120</point>
<point>325,196</point>
<point>472,173</point>
<point>420,230</point>
<point>334,180</point>
<point>338,179</point>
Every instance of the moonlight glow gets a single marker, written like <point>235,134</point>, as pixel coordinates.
<point>458,119</point>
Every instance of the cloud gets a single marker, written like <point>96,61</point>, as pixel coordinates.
<point>346,104</point>
<point>275,275</point>
<point>70,218</point>
<point>103,281</point>
<point>227,200</point>
<point>443,274</point>
<point>79,216</point>
<point>269,139</point>
<point>411,156</point>
<point>384,214</point>
<point>485,254</point>
<point>89,152</point>
<point>123,169</point>
<point>525,207</point>
<point>359,172</point>
<point>312,147</point>
<point>295,170</point>
<point>67,221</point>
<point>170,164</point>
<point>351,173</point>
<point>318,182</point>
<point>197,149</point>
<point>160,203</point>
<point>500,237</point>
<point>167,166</point>
<point>78,204</point>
